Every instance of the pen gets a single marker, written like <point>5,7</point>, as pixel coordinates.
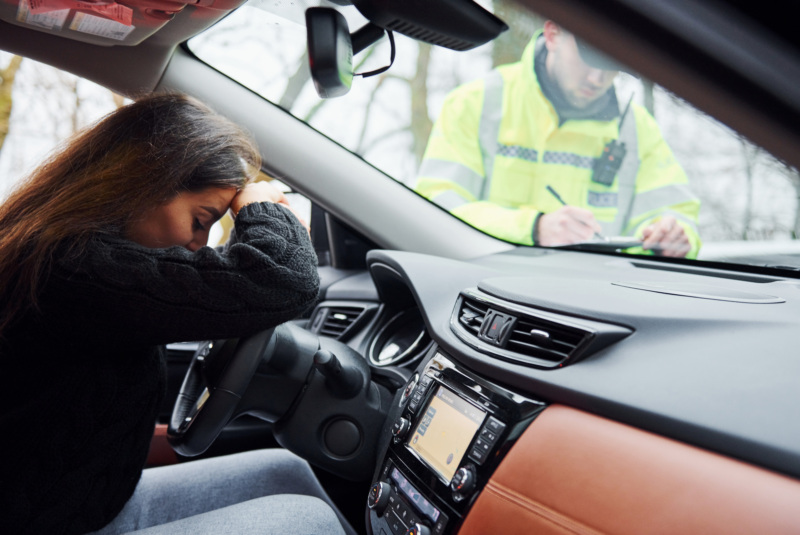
<point>555,194</point>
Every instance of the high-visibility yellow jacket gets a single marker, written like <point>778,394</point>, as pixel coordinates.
<point>497,144</point>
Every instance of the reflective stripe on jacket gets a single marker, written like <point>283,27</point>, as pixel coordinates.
<point>497,144</point>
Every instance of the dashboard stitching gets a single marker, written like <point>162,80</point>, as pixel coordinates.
<point>540,510</point>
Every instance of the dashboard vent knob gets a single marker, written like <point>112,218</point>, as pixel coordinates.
<point>527,335</point>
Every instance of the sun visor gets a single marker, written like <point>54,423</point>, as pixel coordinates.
<point>125,22</point>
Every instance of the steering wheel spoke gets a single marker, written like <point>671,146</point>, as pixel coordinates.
<point>218,377</point>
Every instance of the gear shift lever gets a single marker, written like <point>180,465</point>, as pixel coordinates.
<point>342,382</point>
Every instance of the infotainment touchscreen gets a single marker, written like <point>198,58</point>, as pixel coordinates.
<point>445,430</point>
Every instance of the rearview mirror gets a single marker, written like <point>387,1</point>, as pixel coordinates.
<point>330,51</point>
<point>454,24</point>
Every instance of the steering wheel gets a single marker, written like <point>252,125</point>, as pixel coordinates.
<point>317,391</point>
<point>215,383</point>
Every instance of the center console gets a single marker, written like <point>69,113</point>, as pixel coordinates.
<point>450,430</point>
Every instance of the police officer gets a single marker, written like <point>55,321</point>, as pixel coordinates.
<point>553,119</point>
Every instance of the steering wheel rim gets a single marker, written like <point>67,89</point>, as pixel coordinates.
<point>217,378</point>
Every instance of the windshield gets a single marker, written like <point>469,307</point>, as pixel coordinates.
<point>566,152</point>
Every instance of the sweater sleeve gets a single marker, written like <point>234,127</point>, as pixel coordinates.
<point>265,276</point>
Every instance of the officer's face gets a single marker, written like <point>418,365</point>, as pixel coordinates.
<point>580,83</point>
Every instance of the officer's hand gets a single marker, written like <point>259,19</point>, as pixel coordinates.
<point>568,224</point>
<point>666,238</point>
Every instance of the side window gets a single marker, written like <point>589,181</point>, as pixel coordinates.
<point>43,107</point>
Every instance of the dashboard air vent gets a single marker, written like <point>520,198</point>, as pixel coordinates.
<point>338,320</point>
<point>526,335</point>
<point>540,339</point>
<point>471,315</point>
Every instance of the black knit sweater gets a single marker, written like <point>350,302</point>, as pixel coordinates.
<point>82,379</point>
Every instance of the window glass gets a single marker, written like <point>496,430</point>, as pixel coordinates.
<point>748,200</point>
<point>47,106</point>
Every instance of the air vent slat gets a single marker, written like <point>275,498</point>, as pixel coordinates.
<point>538,352</point>
<point>471,316</point>
<point>338,319</point>
<point>556,347</point>
<point>532,340</point>
<point>543,339</point>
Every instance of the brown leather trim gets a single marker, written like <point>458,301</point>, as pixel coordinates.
<point>575,473</point>
<point>160,451</point>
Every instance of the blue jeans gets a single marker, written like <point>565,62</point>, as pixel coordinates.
<point>263,491</point>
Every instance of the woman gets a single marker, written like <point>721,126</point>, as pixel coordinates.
<point>102,261</point>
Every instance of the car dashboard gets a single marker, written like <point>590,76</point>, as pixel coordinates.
<point>635,369</point>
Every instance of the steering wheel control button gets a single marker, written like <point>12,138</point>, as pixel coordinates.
<point>342,438</point>
<point>203,351</point>
<point>379,497</point>
<point>400,429</point>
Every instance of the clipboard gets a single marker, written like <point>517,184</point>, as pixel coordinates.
<point>606,243</point>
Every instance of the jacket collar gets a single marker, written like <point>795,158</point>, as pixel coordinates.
<point>604,109</point>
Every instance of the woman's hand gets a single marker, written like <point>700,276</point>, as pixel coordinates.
<point>263,192</point>
<point>257,192</point>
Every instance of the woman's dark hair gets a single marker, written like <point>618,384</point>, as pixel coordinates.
<point>137,157</point>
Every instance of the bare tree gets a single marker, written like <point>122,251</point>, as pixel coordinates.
<point>649,98</point>
<point>750,156</point>
<point>508,47</point>
<point>49,105</point>
<point>295,86</point>
<point>7,77</point>
<point>793,175</point>
<point>296,83</point>
<point>421,123</point>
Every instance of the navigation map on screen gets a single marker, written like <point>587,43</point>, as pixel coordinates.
<point>445,431</point>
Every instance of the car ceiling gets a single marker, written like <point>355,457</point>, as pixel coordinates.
<point>743,72</point>
<point>140,67</point>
